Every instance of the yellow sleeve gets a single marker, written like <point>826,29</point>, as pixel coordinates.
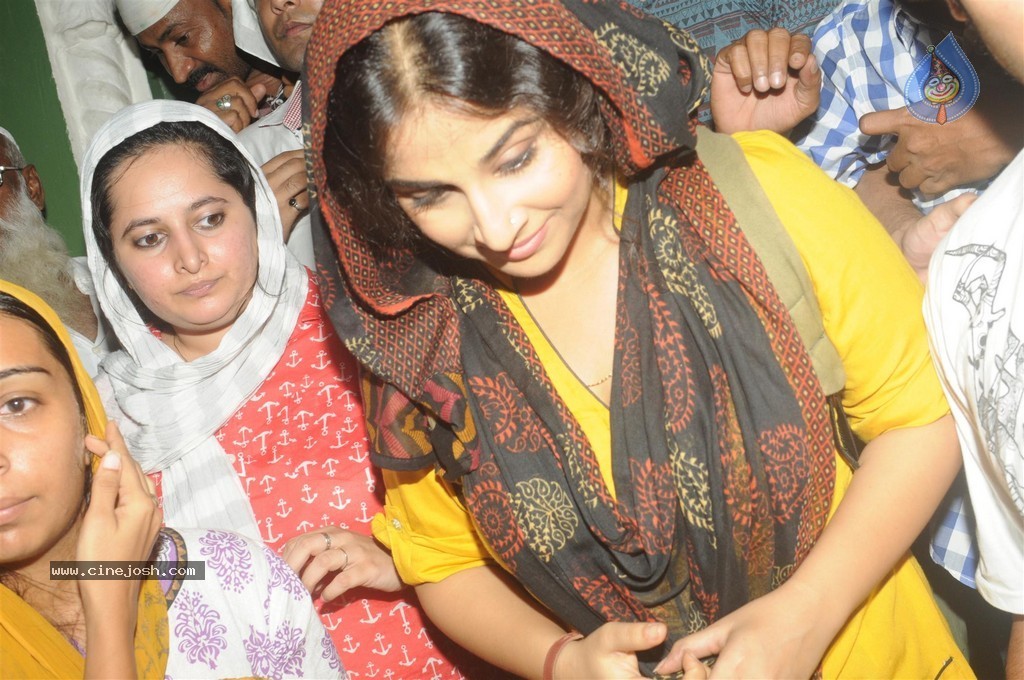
<point>428,530</point>
<point>870,298</point>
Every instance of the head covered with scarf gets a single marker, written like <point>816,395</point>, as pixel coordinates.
<point>721,441</point>
<point>172,409</point>
<point>29,645</point>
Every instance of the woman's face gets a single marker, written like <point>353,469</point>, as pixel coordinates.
<point>508,190</point>
<point>184,240</point>
<point>42,452</point>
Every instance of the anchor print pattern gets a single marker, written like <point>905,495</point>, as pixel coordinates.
<point>299,448</point>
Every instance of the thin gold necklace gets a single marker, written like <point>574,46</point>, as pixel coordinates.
<point>522,301</point>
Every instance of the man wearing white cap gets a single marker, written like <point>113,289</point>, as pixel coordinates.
<point>34,256</point>
<point>277,32</point>
<point>193,40</point>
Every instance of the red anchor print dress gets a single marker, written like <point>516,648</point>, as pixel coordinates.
<point>299,448</point>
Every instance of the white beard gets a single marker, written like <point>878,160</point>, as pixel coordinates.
<point>33,255</point>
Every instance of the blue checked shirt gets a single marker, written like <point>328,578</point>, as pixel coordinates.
<point>952,528</point>
<point>867,50</point>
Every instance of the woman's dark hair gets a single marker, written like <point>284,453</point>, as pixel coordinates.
<point>456,62</point>
<point>220,155</point>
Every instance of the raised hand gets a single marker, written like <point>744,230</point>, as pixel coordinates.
<point>331,561</point>
<point>123,517</point>
<point>766,80</point>
<point>920,239</point>
<point>236,103</point>
<point>286,174</point>
<point>120,525</point>
<point>936,158</point>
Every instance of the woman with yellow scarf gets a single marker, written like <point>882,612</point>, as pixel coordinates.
<point>65,501</point>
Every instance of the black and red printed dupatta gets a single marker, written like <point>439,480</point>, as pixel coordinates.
<point>721,441</point>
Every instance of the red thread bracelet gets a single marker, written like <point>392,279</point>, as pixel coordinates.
<point>555,650</point>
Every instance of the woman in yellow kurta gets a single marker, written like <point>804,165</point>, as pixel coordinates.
<point>623,409</point>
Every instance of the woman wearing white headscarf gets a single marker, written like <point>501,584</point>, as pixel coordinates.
<point>232,383</point>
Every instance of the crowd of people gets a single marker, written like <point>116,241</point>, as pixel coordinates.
<point>527,338</point>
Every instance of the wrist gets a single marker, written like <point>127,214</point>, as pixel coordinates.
<point>804,600</point>
<point>555,653</point>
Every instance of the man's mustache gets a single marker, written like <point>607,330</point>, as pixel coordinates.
<point>198,74</point>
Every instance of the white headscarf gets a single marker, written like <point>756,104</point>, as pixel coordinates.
<point>248,32</point>
<point>173,409</point>
<point>138,15</point>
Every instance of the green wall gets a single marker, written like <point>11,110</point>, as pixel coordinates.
<point>29,108</point>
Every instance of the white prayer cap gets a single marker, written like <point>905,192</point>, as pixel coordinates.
<point>248,34</point>
<point>138,15</point>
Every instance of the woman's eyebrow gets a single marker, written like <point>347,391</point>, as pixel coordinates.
<point>21,370</point>
<point>410,186</point>
<point>206,200</point>
<point>496,149</point>
<point>145,221</point>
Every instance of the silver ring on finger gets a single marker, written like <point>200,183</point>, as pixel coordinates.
<point>327,540</point>
<point>294,203</point>
<point>224,103</point>
<point>345,553</point>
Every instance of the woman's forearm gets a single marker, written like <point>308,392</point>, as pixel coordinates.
<point>482,610</point>
<point>110,643</point>
<point>904,475</point>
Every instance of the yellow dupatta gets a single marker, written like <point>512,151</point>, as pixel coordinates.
<point>30,647</point>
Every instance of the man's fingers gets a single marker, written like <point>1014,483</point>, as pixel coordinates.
<point>799,50</point>
<point>884,122</point>
<point>235,119</point>
<point>912,176</point>
<point>779,50</point>
<point>959,205</point>
<point>238,93</point>
<point>734,59</point>
<point>935,186</point>
<point>272,165</point>
<point>757,56</point>
<point>808,85</point>
<point>259,91</point>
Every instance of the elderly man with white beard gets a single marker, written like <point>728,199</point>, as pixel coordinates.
<point>34,256</point>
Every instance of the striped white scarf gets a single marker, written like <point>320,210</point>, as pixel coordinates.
<point>171,410</point>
